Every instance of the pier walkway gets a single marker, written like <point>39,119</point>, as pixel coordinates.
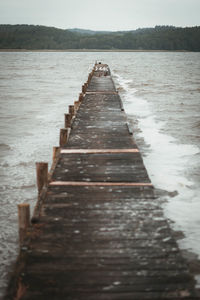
<point>98,231</point>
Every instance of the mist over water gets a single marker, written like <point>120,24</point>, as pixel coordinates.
<point>160,92</point>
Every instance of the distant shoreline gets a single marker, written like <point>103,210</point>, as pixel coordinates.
<point>89,50</point>
<point>26,38</point>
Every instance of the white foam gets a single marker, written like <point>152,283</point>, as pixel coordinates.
<point>167,163</point>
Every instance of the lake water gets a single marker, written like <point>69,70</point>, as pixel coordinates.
<point>161,95</point>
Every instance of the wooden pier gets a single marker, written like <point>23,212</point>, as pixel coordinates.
<point>98,232</point>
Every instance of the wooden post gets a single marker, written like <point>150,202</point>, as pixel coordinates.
<point>68,119</point>
<point>55,152</point>
<point>76,105</point>
<point>64,136</point>
<point>89,77</point>
<point>83,89</point>
<point>42,175</point>
<point>71,110</point>
<point>80,97</point>
<point>23,219</point>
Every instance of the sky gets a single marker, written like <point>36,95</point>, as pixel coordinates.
<point>101,14</point>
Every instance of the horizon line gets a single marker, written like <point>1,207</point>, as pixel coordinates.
<point>99,30</point>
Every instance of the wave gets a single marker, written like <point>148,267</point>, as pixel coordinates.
<point>27,186</point>
<point>196,125</point>
<point>16,164</point>
<point>5,147</point>
<point>6,187</point>
<point>24,163</point>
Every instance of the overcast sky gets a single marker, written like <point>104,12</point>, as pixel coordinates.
<point>101,14</point>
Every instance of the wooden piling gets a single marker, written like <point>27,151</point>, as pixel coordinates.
<point>68,119</point>
<point>80,97</point>
<point>41,175</point>
<point>71,110</point>
<point>76,105</point>
<point>64,135</point>
<point>23,219</point>
<point>84,87</point>
<point>55,152</point>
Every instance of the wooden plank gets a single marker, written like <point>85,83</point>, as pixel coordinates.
<point>93,151</point>
<point>82,183</point>
<point>101,92</point>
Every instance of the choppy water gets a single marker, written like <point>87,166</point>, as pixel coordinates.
<point>161,94</point>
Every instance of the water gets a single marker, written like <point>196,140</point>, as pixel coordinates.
<point>161,97</point>
<point>161,91</point>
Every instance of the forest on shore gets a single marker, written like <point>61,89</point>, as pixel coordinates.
<point>36,37</point>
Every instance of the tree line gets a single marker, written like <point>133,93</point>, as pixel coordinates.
<point>33,37</point>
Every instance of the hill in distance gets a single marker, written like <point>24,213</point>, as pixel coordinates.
<point>88,31</point>
<point>38,37</point>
